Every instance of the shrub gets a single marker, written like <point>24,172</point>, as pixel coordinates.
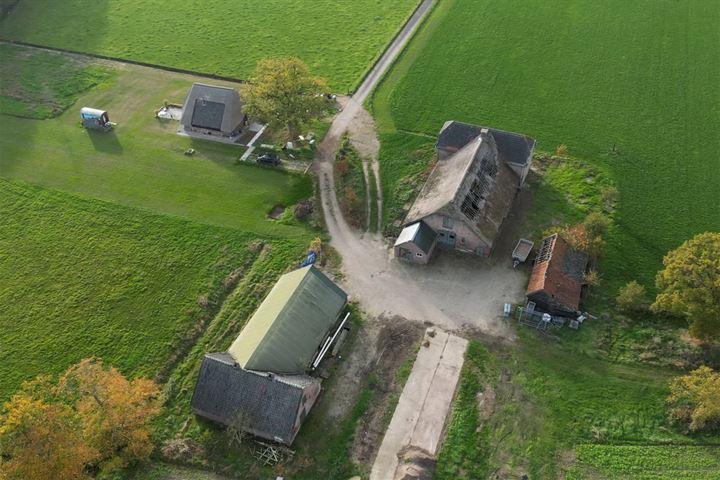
<point>596,224</point>
<point>609,197</point>
<point>631,298</point>
<point>689,284</point>
<point>586,236</point>
<point>592,278</point>
<point>695,399</point>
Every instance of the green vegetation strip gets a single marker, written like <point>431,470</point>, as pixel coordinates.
<point>339,40</point>
<point>351,186</point>
<point>638,100</point>
<point>466,450</point>
<point>85,278</point>
<point>404,165</point>
<point>667,462</point>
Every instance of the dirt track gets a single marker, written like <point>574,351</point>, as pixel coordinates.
<point>453,292</point>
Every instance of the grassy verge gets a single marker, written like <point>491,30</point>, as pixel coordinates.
<point>350,185</point>
<point>373,195</point>
<point>405,162</point>
<point>466,451</point>
<point>544,398</point>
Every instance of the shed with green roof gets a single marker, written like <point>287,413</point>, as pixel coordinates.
<point>290,326</point>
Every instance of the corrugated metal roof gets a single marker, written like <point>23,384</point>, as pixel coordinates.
<point>285,332</point>
<point>407,234</point>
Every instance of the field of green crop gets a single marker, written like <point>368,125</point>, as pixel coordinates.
<point>86,278</point>
<point>669,462</point>
<point>141,162</point>
<point>339,40</point>
<point>637,77</point>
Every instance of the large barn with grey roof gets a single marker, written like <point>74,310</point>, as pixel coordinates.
<point>264,377</point>
<point>470,192</point>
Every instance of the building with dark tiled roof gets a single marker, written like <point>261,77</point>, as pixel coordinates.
<point>558,277</point>
<point>271,406</point>
<point>470,192</point>
<point>263,379</point>
<point>212,111</point>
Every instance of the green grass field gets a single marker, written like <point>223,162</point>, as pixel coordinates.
<point>640,76</point>
<point>85,278</point>
<point>339,40</point>
<point>141,163</point>
<point>43,85</point>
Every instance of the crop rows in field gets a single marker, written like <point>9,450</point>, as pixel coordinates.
<point>668,462</point>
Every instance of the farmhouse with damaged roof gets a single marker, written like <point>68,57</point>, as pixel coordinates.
<point>263,378</point>
<point>210,110</point>
<point>471,190</point>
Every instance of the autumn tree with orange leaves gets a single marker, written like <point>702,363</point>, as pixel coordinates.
<point>93,418</point>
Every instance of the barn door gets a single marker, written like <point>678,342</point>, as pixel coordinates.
<point>447,238</point>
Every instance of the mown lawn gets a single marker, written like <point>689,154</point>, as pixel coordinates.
<point>339,40</point>
<point>639,77</point>
<point>83,278</point>
<point>141,162</point>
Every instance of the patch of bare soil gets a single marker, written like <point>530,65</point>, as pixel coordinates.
<point>415,464</point>
<point>486,401</point>
<point>397,341</point>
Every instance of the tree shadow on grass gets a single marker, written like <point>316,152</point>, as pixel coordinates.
<point>106,142</point>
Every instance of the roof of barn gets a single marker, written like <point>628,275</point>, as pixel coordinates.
<point>286,330</point>
<point>512,147</point>
<point>270,403</point>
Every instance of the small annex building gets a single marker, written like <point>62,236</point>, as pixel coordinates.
<point>212,111</point>
<point>471,190</point>
<point>264,376</point>
<point>557,281</point>
<point>416,243</point>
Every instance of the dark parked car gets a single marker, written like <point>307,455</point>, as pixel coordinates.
<point>269,159</point>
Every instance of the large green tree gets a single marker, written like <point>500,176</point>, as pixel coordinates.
<point>284,94</point>
<point>695,399</point>
<point>690,284</point>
